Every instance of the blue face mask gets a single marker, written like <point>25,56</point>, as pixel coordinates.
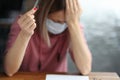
<point>55,28</point>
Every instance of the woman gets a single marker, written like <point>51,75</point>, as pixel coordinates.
<point>40,39</point>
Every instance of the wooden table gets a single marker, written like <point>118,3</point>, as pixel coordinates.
<point>41,76</point>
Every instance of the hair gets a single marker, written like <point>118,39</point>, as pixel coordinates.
<point>46,7</point>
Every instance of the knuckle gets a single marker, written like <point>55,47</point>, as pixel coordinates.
<point>32,16</point>
<point>33,20</point>
<point>28,16</point>
<point>23,16</point>
<point>34,24</point>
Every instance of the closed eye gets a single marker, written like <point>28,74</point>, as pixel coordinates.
<point>62,22</point>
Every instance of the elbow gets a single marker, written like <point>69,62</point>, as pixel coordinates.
<point>9,74</point>
<point>86,68</point>
<point>9,71</point>
<point>85,72</point>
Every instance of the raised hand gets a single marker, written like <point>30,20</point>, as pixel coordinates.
<point>27,22</point>
<point>73,11</point>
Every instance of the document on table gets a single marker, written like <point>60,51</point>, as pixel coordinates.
<point>65,77</point>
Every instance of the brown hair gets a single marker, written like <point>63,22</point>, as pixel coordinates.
<point>46,7</point>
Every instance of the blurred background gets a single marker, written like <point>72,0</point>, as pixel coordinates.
<point>101,21</point>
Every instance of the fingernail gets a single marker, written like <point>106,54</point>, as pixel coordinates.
<point>35,8</point>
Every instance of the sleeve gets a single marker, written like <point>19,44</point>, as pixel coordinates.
<point>70,51</point>
<point>14,31</point>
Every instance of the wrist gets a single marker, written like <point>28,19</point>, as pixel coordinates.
<point>73,22</point>
<point>24,35</point>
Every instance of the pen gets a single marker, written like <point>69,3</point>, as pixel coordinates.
<point>36,4</point>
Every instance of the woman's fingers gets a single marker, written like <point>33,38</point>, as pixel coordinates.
<point>29,24</point>
<point>67,5</point>
<point>21,19</point>
<point>72,5</point>
<point>27,15</point>
<point>28,19</point>
<point>75,5</point>
<point>33,26</point>
<point>32,11</point>
<point>78,5</point>
<point>72,11</point>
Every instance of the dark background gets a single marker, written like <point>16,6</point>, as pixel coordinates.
<point>7,5</point>
<point>8,11</point>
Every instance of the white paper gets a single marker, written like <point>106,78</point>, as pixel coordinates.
<point>66,77</point>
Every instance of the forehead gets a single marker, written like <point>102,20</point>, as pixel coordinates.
<point>58,13</point>
<point>58,16</point>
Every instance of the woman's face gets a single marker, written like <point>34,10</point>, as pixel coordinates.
<point>58,16</point>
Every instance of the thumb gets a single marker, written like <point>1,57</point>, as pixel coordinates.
<point>32,11</point>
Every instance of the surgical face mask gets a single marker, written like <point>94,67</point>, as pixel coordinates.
<point>55,28</point>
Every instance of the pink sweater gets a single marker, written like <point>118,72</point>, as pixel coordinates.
<point>38,56</point>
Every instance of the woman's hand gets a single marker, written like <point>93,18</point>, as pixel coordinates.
<point>81,52</point>
<point>73,11</point>
<point>27,22</point>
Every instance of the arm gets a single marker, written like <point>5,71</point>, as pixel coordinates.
<point>15,54</point>
<point>81,53</point>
